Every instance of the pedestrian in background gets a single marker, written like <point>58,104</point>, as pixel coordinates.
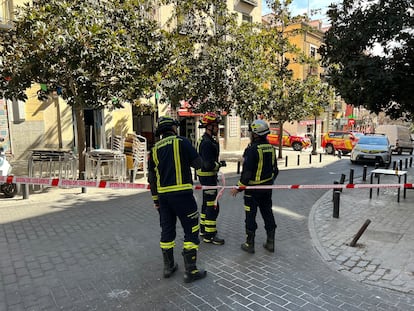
<point>259,168</point>
<point>170,179</point>
<point>209,149</point>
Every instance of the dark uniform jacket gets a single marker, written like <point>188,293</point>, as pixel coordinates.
<point>259,164</point>
<point>169,165</point>
<point>209,149</point>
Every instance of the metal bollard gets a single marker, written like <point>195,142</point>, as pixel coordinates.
<point>310,158</point>
<point>411,161</point>
<point>298,159</point>
<point>364,173</point>
<point>286,161</point>
<point>360,232</point>
<point>351,176</point>
<point>82,177</point>
<point>320,157</point>
<point>406,163</point>
<point>401,165</point>
<point>25,191</point>
<point>131,176</point>
<point>336,200</point>
<point>394,165</point>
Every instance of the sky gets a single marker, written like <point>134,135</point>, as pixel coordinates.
<point>301,6</point>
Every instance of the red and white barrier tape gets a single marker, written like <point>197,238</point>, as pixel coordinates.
<point>56,182</point>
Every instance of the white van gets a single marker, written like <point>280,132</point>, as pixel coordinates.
<point>399,136</point>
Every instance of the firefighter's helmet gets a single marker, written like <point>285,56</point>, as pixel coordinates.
<point>209,118</point>
<point>259,127</point>
<point>165,124</point>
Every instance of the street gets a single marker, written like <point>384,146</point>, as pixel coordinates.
<point>62,250</point>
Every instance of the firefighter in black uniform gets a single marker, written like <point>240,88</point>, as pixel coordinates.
<point>170,179</point>
<point>259,168</point>
<point>209,149</point>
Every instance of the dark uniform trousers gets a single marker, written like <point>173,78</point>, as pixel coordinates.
<point>262,199</point>
<point>209,212</point>
<point>179,204</point>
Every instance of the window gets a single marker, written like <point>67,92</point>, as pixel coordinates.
<point>312,51</point>
<point>247,18</point>
<point>244,129</point>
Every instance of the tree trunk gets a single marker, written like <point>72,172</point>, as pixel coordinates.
<point>81,139</point>
<point>280,156</point>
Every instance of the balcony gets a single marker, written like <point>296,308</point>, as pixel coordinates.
<point>251,2</point>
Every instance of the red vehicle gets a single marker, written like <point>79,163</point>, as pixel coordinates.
<point>339,140</point>
<point>296,142</point>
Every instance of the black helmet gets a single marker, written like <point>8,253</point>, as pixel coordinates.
<point>165,124</point>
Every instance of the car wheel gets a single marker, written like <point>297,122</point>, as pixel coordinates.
<point>329,149</point>
<point>297,146</point>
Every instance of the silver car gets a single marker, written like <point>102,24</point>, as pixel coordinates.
<point>372,148</point>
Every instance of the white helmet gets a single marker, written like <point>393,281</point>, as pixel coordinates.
<point>259,127</point>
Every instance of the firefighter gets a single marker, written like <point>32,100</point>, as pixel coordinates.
<point>209,149</point>
<point>170,179</point>
<point>259,168</point>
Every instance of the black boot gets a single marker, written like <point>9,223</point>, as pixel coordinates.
<point>248,246</point>
<point>202,230</point>
<point>270,241</point>
<point>191,272</point>
<point>169,266</point>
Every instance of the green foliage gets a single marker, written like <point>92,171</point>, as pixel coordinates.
<point>379,81</point>
<point>99,53</point>
<point>203,58</point>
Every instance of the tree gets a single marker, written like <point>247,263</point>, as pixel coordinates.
<point>317,97</point>
<point>274,92</point>
<point>95,54</point>
<point>204,57</point>
<point>369,52</point>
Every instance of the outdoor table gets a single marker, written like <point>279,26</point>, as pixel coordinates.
<point>397,173</point>
<point>48,157</point>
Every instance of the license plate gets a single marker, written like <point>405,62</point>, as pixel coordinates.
<point>369,156</point>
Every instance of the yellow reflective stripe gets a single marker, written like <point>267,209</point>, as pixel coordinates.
<point>210,222</point>
<point>175,188</point>
<point>210,203</point>
<point>240,184</point>
<point>252,182</point>
<point>203,174</point>
<point>178,176</point>
<point>167,245</point>
<point>190,245</point>
<point>210,229</point>
<point>155,197</point>
<point>202,215</point>
<point>259,165</point>
<point>247,208</point>
<point>195,228</point>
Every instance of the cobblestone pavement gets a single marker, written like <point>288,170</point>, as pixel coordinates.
<point>384,255</point>
<point>66,250</point>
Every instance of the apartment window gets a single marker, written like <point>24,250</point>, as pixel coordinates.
<point>312,51</point>
<point>247,18</point>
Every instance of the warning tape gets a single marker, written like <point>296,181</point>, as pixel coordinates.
<point>57,182</point>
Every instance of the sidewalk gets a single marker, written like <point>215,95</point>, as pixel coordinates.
<point>384,254</point>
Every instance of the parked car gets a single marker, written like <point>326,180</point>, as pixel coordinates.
<point>338,140</point>
<point>296,142</point>
<point>399,136</point>
<point>372,148</point>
